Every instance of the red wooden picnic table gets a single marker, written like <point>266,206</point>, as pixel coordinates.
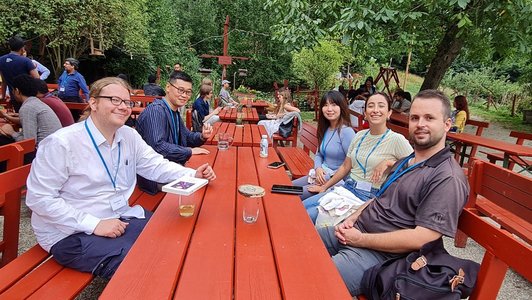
<point>260,105</point>
<point>463,140</point>
<point>215,255</point>
<point>245,135</point>
<point>229,114</point>
<point>399,119</point>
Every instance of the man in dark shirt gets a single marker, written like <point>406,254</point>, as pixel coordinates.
<point>14,64</point>
<point>153,89</point>
<point>420,201</point>
<point>56,104</point>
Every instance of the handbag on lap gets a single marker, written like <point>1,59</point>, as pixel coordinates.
<point>430,273</point>
<point>285,130</point>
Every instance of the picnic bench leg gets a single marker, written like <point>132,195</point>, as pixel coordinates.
<point>490,277</point>
<point>506,161</point>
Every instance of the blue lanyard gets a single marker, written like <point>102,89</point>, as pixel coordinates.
<point>113,180</point>
<point>174,124</point>
<point>65,80</point>
<point>363,167</point>
<point>396,176</point>
<point>323,145</point>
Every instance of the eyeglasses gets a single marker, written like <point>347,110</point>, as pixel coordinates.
<point>117,101</point>
<point>181,91</point>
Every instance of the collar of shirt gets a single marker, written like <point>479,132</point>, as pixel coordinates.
<point>98,136</point>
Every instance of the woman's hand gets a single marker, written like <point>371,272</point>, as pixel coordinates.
<point>320,176</point>
<point>316,189</point>
<point>380,170</point>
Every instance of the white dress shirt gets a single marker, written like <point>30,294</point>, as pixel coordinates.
<point>69,189</point>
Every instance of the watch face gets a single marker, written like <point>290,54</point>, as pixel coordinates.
<point>249,190</point>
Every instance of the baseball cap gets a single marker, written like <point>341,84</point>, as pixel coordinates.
<point>226,81</point>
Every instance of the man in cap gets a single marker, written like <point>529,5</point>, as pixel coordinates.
<point>71,81</point>
<point>225,97</point>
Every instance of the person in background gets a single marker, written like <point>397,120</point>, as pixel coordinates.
<point>153,89</point>
<point>460,115</point>
<point>400,104</point>
<point>371,154</point>
<point>82,178</point>
<point>57,105</point>
<point>283,107</point>
<point>367,89</point>
<point>37,119</point>
<point>177,67</point>
<point>334,137</point>
<point>71,82</point>
<point>123,77</point>
<point>162,127</point>
<point>225,97</point>
<point>12,65</point>
<point>202,109</point>
<point>421,200</point>
<point>43,71</point>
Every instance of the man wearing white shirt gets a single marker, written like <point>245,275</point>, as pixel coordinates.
<point>82,178</point>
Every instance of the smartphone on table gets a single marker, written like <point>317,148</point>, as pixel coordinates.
<point>276,165</point>
<point>287,189</point>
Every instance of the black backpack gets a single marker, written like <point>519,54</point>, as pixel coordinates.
<point>430,273</point>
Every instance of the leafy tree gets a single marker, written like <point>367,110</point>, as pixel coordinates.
<point>319,65</point>
<point>439,29</point>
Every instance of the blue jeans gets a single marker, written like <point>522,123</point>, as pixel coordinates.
<point>311,204</point>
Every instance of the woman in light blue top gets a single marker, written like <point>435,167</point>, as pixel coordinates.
<point>334,138</point>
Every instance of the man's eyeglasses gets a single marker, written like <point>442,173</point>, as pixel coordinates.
<point>117,101</point>
<point>181,91</point>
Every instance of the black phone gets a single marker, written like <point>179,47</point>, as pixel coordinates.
<point>287,189</point>
<point>275,165</point>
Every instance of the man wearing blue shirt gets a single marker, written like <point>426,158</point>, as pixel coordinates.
<point>14,64</point>
<point>71,81</point>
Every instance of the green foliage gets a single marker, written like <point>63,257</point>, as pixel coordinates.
<point>319,65</point>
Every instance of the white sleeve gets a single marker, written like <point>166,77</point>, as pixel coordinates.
<point>49,171</point>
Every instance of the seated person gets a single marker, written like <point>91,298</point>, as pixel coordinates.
<point>334,137</point>
<point>400,103</point>
<point>161,126</point>
<point>420,201</point>
<point>57,105</point>
<point>225,97</point>
<point>366,90</point>
<point>357,106</point>
<point>202,109</point>
<point>371,153</point>
<point>276,118</point>
<point>460,115</point>
<point>82,178</point>
<point>153,89</point>
<point>37,119</point>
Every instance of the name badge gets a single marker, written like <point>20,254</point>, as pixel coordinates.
<point>118,202</point>
<point>62,89</point>
<point>364,185</point>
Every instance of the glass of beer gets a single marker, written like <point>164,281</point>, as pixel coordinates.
<point>186,206</point>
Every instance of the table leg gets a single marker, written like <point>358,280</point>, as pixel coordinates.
<point>506,160</point>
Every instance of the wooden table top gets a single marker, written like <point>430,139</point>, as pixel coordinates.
<point>215,255</point>
<point>255,103</point>
<point>247,135</point>
<point>507,148</point>
<point>230,113</point>
<point>399,119</point>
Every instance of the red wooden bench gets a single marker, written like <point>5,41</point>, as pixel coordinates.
<point>297,160</point>
<point>480,128</point>
<point>399,129</point>
<point>493,157</point>
<point>505,197</point>
<point>360,118</point>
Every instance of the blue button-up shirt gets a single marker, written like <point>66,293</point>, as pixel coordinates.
<point>70,84</point>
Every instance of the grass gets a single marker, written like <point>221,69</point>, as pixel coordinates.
<point>501,115</point>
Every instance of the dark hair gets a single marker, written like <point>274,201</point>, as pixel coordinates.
<point>74,62</point>
<point>205,89</point>
<point>42,87</point>
<point>152,78</point>
<point>179,75</point>
<point>435,94</point>
<point>407,96</point>
<point>123,77</point>
<point>388,100</point>
<point>26,85</point>
<point>461,104</point>
<point>16,43</point>
<point>323,123</point>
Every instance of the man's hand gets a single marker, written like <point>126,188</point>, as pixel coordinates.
<point>349,236</point>
<point>111,228</point>
<point>316,189</point>
<point>7,130</point>
<point>198,150</point>
<point>206,131</point>
<point>205,171</point>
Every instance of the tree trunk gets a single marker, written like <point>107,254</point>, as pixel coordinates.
<point>448,49</point>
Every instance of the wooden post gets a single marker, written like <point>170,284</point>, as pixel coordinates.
<point>316,104</point>
<point>513,105</point>
<point>407,68</point>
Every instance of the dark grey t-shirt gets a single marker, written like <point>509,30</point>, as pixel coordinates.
<point>431,195</point>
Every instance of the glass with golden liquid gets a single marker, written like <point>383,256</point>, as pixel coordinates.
<point>186,206</point>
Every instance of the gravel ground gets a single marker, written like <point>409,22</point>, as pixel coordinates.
<point>514,287</point>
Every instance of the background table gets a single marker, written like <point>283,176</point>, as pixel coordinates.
<point>243,135</point>
<point>260,105</point>
<point>215,255</point>
<point>229,114</point>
